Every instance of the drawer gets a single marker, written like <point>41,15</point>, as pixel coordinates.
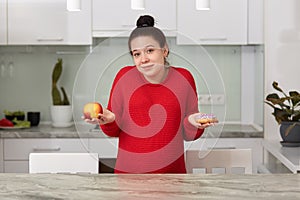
<point>19,149</point>
<point>16,166</point>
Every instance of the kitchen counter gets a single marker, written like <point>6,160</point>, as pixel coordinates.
<point>91,131</point>
<point>149,186</point>
<point>288,156</point>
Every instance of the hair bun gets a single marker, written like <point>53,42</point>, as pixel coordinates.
<point>145,21</point>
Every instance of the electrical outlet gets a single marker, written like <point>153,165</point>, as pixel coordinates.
<point>218,99</point>
<point>214,99</point>
<point>204,99</point>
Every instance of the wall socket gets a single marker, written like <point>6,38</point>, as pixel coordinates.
<point>211,99</point>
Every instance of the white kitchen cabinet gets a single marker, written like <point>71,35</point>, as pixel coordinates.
<point>1,156</point>
<point>117,18</point>
<point>105,147</point>
<point>3,23</point>
<point>47,22</point>
<point>16,151</point>
<point>225,22</point>
<point>255,144</point>
<point>255,21</point>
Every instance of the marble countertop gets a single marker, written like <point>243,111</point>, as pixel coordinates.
<point>91,131</point>
<point>149,186</point>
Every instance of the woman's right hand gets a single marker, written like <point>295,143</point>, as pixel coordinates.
<point>106,117</point>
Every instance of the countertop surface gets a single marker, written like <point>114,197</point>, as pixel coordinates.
<point>149,186</point>
<point>91,131</point>
<point>288,156</point>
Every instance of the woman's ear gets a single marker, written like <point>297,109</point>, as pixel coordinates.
<point>166,51</point>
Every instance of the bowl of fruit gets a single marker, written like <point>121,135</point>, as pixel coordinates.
<point>14,120</point>
<point>19,115</point>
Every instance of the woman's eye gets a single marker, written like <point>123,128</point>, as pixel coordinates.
<point>136,54</point>
<point>149,51</point>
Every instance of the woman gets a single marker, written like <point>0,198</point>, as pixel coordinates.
<point>152,107</point>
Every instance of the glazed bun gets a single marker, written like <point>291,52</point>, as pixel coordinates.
<point>145,21</point>
<point>206,118</point>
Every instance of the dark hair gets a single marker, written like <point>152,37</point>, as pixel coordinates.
<point>145,27</point>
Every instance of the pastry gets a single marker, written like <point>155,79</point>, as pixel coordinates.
<point>206,118</point>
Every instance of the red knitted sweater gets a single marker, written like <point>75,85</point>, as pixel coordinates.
<point>151,121</point>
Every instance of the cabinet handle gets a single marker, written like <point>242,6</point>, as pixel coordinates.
<point>50,39</point>
<point>46,149</point>
<point>217,38</point>
<point>229,147</point>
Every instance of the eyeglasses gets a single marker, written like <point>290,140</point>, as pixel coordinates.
<point>147,51</point>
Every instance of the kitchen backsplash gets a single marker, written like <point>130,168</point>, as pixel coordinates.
<point>25,79</point>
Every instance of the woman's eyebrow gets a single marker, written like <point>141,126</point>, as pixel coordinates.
<point>147,46</point>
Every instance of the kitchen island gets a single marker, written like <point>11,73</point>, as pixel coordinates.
<point>149,186</point>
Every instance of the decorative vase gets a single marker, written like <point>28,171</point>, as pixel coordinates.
<point>294,134</point>
<point>61,115</point>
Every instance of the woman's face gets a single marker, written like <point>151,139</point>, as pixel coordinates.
<point>148,56</point>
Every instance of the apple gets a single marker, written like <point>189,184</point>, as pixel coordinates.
<point>92,109</point>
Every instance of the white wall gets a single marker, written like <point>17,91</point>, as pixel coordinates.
<point>282,53</point>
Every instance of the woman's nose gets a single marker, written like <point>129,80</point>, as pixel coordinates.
<point>144,57</point>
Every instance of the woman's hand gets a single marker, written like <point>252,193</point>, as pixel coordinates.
<point>106,117</point>
<point>192,120</point>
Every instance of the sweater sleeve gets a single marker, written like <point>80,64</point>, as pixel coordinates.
<point>112,129</point>
<point>191,132</point>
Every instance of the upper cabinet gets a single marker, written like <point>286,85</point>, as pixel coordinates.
<point>255,21</point>
<point>47,22</point>
<point>212,21</point>
<point>115,17</point>
<point>3,22</point>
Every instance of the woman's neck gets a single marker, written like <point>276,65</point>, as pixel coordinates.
<point>160,78</point>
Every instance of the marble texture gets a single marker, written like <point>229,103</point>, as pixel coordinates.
<point>90,131</point>
<point>149,186</point>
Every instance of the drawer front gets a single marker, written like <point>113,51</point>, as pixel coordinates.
<point>19,149</point>
<point>16,166</point>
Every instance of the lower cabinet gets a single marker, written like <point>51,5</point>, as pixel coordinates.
<point>255,144</point>
<point>16,151</point>
<point>1,156</point>
<point>14,157</point>
<point>107,148</point>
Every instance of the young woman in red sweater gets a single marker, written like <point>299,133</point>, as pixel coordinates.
<point>152,107</point>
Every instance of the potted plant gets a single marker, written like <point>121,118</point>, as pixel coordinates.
<point>286,112</point>
<point>61,110</point>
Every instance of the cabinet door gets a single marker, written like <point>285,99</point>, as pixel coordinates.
<point>225,22</point>
<point>115,16</point>
<point>256,22</point>
<point>3,23</point>
<point>1,155</point>
<point>48,22</point>
<point>105,147</point>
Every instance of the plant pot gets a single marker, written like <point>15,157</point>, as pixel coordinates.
<point>61,116</point>
<point>294,134</point>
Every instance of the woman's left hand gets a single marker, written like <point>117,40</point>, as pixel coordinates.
<point>192,120</point>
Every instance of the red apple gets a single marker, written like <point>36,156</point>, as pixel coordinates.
<point>92,109</point>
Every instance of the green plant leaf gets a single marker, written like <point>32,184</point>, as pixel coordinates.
<point>295,97</point>
<point>65,97</point>
<point>276,87</point>
<point>281,115</point>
